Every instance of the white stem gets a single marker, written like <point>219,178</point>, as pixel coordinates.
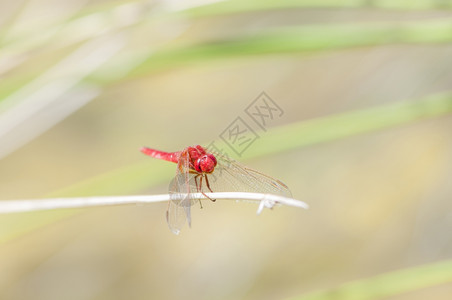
<point>15,206</point>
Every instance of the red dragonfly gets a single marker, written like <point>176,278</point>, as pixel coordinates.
<point>200,171</point>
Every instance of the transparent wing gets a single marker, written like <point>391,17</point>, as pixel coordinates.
<point>180,190</point>
<point>230,176</point>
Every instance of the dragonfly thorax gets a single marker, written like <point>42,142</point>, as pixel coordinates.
<point>206,163</point>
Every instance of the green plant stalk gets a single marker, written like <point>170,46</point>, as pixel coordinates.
<point>387,285</point>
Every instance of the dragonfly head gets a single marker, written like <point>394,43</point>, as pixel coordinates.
<point>206,163</point>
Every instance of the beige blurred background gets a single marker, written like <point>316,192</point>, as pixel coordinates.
<point>378,202</point>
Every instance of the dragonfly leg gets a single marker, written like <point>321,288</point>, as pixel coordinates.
<point>208,186</point>
<point>200,188</point>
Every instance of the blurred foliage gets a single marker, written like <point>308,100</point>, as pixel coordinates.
<point>386,285</point>
<point>304,39</point>
<point>228,7</point>
<point>51,67</point>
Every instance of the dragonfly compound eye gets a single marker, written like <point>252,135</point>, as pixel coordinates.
<point>211,157</point>
<point>206,164</point>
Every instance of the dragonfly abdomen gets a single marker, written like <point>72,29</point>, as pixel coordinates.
<point>168,156</point>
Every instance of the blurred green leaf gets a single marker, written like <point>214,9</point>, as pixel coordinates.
<point>235,6</point>
<point>351,123</point>
<point>389,284</point>
<point>302,39</point>
<point>132,63</point>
